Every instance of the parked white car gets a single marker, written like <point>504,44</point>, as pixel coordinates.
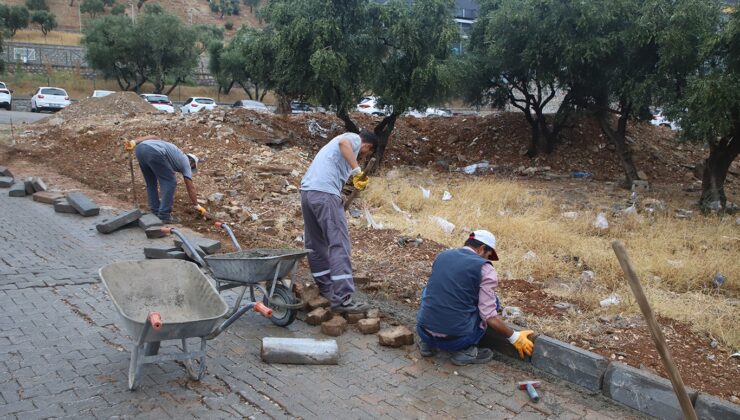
<point>6,97</point>
<point>101,93</point>
<point>429,112</point>
<point>49,98</point>
<point>369,105</point>
<point>661,121</point>
<point>161,102</point>
<point>196,104</point>
<point>250,104</point>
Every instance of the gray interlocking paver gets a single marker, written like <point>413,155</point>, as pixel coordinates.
<point>67,356</point>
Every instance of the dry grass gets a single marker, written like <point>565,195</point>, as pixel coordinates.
<point>53,38</point>
<point>676,259</point>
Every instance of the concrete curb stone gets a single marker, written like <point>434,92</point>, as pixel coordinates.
<point>6,181</point>
<point>47,197</point>
<point>643,391</point>
<point>17,190</point>
<point>157,253</point>
<point>154,232</point>
<point>209,246</point>
<point>149,220</point>
<point>5,171</point>
<point>118,221</point>
<point>571,363</point>
<point>38,184</point>
<point>61,205</point>
<point>712,408</point>
<point>82,204</point>
<point>29,185</point>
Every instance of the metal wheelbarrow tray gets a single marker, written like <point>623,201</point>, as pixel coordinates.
<point>180,293</point>
<point>254,265</point>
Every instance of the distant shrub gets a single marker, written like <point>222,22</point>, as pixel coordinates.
<point>229,25</point>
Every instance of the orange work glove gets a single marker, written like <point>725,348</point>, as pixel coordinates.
<point>521,342</point>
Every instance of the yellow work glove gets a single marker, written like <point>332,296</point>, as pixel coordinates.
<point>200,209</point>
<point>360,181</point>
<point>129,145</point>
<point>521,342</point>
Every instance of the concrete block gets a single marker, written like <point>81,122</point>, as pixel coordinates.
<point>47,197</point>
<point>301,351</point>
<point>164,252</point>
<point>334,327</point>
<point>154,232</point>
<point>5,171</point>
<point>711,408</point>
<point>149,220</point>
<point>643,391</point>
<point>17,190</point>
<point>317,316</point>
<point>318,302</point>
<point>6,181</point>
<point>62,206</point>
<point>396,337</point>
<point>209,246</point>
<point>118,221</point>
<point>571,363</point>
<point>82,204</point>
<point>353,318</point>
<point>38,184</point>
<point>29,186</point>
<point>369,325</point>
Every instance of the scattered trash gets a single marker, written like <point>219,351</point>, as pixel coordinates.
<point>371,222</point>
<point>711,358</point>
<point>425,193</point>
<point>713,344</point>
<point>299,238</point>
<point>631,210</point>
<point>611,300</point>
<point>355,213</point>
<point>570,215</point>
<point>446,196</point>
<point>718,280</point>
<point>530,279</point>
<point>581,174</point>
<point>314,128</point>
<point>471,169</point>
<point>562,305</point>
<point>254,217</point>
<point>444,224</point>
<point>512,312</point>
<point>587,276</point>
<point>736,354</point>
<point>601,222</point>
<point>676,263</point>
<point>508,275</point>
<point>529,256</point>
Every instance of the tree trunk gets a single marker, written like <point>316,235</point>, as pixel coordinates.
<point>174,85</point>
<point>383,130</point>
<point>716,166</point>
<point>617,137</point>
<point>283,105</point>
<point>349,125</point>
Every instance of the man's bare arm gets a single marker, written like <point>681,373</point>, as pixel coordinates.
<point>496,324</point>
<point>345,146</point>
<point>191,191</point>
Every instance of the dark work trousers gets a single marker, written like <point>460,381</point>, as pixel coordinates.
<point>156,170</point>
<point>325,232</point>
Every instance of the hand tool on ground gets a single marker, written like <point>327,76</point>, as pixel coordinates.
<point>530,386</point>
<point>351,197</point>
<point>655,331</point>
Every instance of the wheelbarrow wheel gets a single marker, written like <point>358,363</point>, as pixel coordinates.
<point>281,316</point>
<point>196,368</point>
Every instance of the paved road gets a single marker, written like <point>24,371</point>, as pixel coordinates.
<point>63,353</point>
<point>20,117</point>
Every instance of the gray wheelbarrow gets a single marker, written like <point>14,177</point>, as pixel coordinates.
<point>162,300</point>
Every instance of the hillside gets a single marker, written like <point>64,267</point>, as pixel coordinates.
<point>190,11</point>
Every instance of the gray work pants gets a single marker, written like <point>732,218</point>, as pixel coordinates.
<point>325,232</point>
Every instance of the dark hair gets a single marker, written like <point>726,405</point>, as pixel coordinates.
<point>369,137</point>
<point>474,243</point>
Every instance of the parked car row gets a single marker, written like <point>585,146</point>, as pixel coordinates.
<point>6,96</point>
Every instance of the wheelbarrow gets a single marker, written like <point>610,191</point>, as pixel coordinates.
<point>161,300</point>
<point>249,269</point>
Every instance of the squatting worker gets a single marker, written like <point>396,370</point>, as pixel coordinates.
<point>459,303</point>
<point>325,225</point>
<point>159,160</point>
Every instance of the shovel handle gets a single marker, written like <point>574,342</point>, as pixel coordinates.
<point>155,319</point>
<point>264,310</point>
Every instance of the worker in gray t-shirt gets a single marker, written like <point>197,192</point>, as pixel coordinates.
<point>325,226</point>
<point>159,160</point>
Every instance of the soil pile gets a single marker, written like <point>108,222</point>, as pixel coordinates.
<point>116,104</point>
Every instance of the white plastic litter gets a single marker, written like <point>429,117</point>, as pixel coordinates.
<point>471,169</point>
<point>425,193</point>
<point>446,196</point>
<point>601,222</point>
<point>529,256</point>
<point>512,312</point>
<point>611,300</point>
<point>587,276</point>
<point>444,224</point>
<point>371,222</point>
<point>570,215</point>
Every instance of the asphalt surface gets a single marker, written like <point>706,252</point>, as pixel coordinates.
<point>20,117</point>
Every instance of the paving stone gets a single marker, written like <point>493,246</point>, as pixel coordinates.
<point>300,351</point>
<point>711,408</point>
<point>317,316</point>
<point>643,391</point>
<point>396,337</point>
<point>47,197</point>
<point>571,363</point>
<point>6,181</point>
<point>62,206</point>
<point>149,220</point>
<point>318,302</point>
<point>38,184</point>
<point>209,246</point>
<point>353,318</point>
<point>154,232</point>
<point>5,171</point>
<point>334,327</point>
<point>82,204</point>
<point>164,252</point>
<point>17,190</point>
<point>369,325</point>
<point>29,185</point>
<point>118,221</point>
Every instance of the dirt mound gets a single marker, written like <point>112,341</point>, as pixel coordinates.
<point>116,104</point>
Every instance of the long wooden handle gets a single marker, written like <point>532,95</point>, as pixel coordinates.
<point>655,331</point>
<point>133,185</point>
<point>351,197</point>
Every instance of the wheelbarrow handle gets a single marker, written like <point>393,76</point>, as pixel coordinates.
<point>155,319</point>
<point>227,228</point>
<point>263,309</point>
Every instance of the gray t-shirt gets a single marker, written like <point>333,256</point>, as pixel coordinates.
<point>177,160</point>
<point>329,170</point>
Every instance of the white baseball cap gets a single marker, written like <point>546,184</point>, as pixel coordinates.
<point>195,160</point>
<point>487,238</point>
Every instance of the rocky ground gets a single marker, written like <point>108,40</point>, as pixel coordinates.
<point>254,163</point>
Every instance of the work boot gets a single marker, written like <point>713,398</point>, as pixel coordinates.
<point>472,354</point>
<point>170,220</point>
<point>350,306</point>
<point>426,349</point>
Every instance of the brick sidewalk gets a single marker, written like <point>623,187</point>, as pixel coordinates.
<point>66,356</point>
